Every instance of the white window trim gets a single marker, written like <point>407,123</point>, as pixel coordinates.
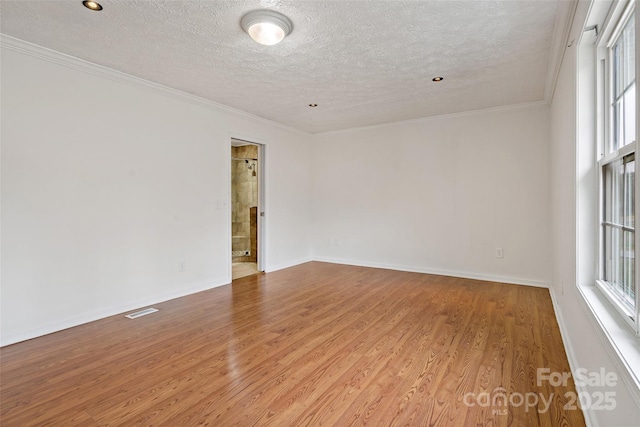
<point>621,341</point>
<point>614,26</point>
<point>624,346</point>
<point>627,315</point>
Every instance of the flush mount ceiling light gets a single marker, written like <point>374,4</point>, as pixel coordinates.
<point>314,105</point>
<point>92,5</point>
<point>437,79</point>
<point>266,26</point>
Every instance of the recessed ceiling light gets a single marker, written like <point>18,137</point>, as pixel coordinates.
<point>266,26</point>
<point>313,105</point>
<point>437,79</point>
<point>92,5</point>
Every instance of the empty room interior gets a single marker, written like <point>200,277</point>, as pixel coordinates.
<point>304,213</point>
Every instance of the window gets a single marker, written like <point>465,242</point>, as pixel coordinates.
<point>617,272</point>
<point>618,229</point>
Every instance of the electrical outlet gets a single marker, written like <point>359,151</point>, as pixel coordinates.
<point>182,266</point>
<point>499,253</point>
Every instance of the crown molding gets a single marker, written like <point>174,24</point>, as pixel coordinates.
<point>511,107</point>
<point>561,30</point>
<point>68,61</point>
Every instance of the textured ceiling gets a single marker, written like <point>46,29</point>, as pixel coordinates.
<point>362,62</point>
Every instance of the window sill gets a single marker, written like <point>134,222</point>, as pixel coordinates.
<point>624,346</point>
<point>609,295</point>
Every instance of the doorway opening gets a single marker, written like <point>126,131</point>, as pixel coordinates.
<point>246,209</point>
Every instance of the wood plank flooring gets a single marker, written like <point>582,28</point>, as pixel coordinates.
<point>316,344</point>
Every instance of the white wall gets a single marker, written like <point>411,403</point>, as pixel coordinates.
<point>107,184</point>
<point>585,347</point>
<point>438,195</point>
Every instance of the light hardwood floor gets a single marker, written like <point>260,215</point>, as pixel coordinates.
<point>316,344</point>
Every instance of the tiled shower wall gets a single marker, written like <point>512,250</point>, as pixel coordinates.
<point>244,195</point>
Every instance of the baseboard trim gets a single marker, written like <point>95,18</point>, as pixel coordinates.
<point>92,316</point>
<point>282,266</point>
<point>571,356</point>
<point>439,272</point>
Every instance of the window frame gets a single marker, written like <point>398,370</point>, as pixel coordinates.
<point>605,119</point>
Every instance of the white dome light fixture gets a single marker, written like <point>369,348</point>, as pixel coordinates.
<point>266,26</point>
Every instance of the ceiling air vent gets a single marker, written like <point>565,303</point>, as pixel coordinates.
<point>141,313</point>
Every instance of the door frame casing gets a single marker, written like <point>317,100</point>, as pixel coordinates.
<point>262,199</point>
